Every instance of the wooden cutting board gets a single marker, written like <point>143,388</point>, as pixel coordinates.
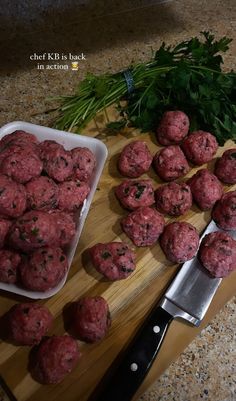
<point>129,300</point>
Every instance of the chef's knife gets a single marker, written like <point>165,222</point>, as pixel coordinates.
<point>188,298</point>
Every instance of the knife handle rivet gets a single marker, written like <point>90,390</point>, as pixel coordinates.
<point>134,367</point>
<point>156,329</point>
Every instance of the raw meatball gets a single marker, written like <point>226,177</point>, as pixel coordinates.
<point>224,212</point>
<point>84,163</point>
<point>22,165</point>
<point>133,194</point>
<point>91,319</point>
<point>33,230</point>
<point>43,269</point>
<point>173,198</point>
<point>28,323</point>
<point>4,229</point>
<point>56,356</point>
<point>135,159</point>
<point>57,162</point>
<point>42,194</point>
<point>9,262</point>
<point>217,253</point>
<point>170,163</point>
<point>206,189</point>
<point>12,197</point>
<point>225,168</point>
<point>173,127</point>
<point>114,260</point>
<point>200,147</point>
<point>143,226</point>
<point>66,227</point>
<point>18,137</point>
<point>179,241</point>
<point>72,195</point>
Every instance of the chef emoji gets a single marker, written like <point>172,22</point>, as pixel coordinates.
<point>74,65</point>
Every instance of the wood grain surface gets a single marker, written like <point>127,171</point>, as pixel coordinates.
<point>129,300</point>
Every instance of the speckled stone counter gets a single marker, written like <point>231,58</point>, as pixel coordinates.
<point>110,42</point>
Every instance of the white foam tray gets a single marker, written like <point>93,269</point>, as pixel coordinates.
<point>69,141</point>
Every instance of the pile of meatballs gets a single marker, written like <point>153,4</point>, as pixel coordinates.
<point>57,189</point>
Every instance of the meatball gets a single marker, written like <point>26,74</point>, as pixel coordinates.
<point>42,194</point>
<point>55,357</point>
<point>170,163</point>
<point>9,262</point>
<point>91,319</point>
<point>133,194</point>
<point>200,147</point>
<point>18,137</point>
<point>22,165</point>
<point>224,212</point>
<point>206,189</point>
<point>225,168</point>
<point>66,227</point>
<point>217,253</point>
<point>27,323</point>
<point>114,260</point>
<point>4,229</point>
<point>12,197</point>
<point>173,198</point>
<point>57,162</point>
<point>135,159</point>
<point>179,241</point>
<point>84,163</point>
<point>143,226</point>
<point>72,195</point>
<point>33,230</point>
<point>43,269</point>
<point>173,127</point>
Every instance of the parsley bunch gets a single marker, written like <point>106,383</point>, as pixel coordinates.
<point>185,77</point>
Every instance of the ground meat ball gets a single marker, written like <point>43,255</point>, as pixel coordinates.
<point>114,260</point>
<point>173,198</point>
<point>28,323</point>
<point>84,163</point>
<point>43,269</point>
<point>22,166</point>
<point>72,195</point>
<point>18,137</point>
<point>91,319</point>
<point>200,147</point>
<point>217,253</point>
<point>12,197</point>
<point>57,162</point>
<point>173,127</point>
<point>133,194</point>
<point>4,229</point>
<point>225,168</point>
<point>135,159</point>
<point>9,262</point>
<point>42,194</point>
<point>143,226</point>
<point>56,356</point>
<point>224,212</point>
<point>179,241</point>
<point>170,163</point>
<point>206,189</point>
<point>66,227</point>
<point>33,230</point>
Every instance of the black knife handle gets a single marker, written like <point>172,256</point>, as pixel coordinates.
<point>137,360</point>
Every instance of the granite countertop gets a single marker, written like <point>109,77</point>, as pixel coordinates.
<point>123,32</point>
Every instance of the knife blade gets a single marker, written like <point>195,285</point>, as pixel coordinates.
<point>188,297</point>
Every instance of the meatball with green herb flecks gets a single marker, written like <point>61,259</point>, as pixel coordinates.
<point>42,194</point>
<point>72,195</point>
<point>43,269</point>
<point>173,198</point>
<point>114,260</point>
<point>135,159</point>
<point>12,197</point>
<point>173,127</point>
<point>170,163</point>
<point>9,264</point>
<point>57,162</point>
<point>225,167</point>
<point>200,147</point>
<point>224,211</point>
<point>136,193</point>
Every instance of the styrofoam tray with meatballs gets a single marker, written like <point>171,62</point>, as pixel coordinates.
<point>69,141</point>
